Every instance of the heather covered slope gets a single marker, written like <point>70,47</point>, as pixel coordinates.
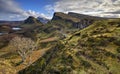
<point>93,50</point>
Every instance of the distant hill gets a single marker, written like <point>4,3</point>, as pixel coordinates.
<point>30,23</point>
<point>31,20</point>
<point>43,20</point>
<point>11,23</point>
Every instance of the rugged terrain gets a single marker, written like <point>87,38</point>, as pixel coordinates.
<point>93,50</point>
<point>68,44</point>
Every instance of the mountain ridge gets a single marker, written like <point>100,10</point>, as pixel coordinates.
<point>31,20</point>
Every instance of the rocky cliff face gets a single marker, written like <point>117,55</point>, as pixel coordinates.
<point>86,20</point>
<point>60,15</point>
<point>79,21</point>
<point>83,23</point>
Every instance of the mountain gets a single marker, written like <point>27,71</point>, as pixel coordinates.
<point>30,23</point>
<point>66,24</point>
<point>92,50</point>
<point>86,20</point>
<point>62,21</point>
<point>31,20</point>
<point>43,20</point>
<point>73,20</point>
<point>60,15</point>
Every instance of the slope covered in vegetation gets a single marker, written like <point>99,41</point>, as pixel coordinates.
<point>93,50</point>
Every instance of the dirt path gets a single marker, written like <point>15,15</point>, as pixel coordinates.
<point>34,56</point>
<point>48,39</point>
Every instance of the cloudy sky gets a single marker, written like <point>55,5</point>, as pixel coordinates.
<point>21,9</point>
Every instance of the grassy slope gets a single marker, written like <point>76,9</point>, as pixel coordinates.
<point>10,61</point>
<point>66,17</point>
<point>93,50</point>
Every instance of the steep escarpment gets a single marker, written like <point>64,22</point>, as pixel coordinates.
<point>60,15</point>
<point>86,20</point>
<point>63,21</point>
<point>73,20</point>
<point>63,24</point>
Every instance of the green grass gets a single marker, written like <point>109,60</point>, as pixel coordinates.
<point>105,32</point>
<point>92,50</point>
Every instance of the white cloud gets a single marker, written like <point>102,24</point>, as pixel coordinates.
<point>10,10</point>
<point>35,14</point>
<point>87,6</point>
